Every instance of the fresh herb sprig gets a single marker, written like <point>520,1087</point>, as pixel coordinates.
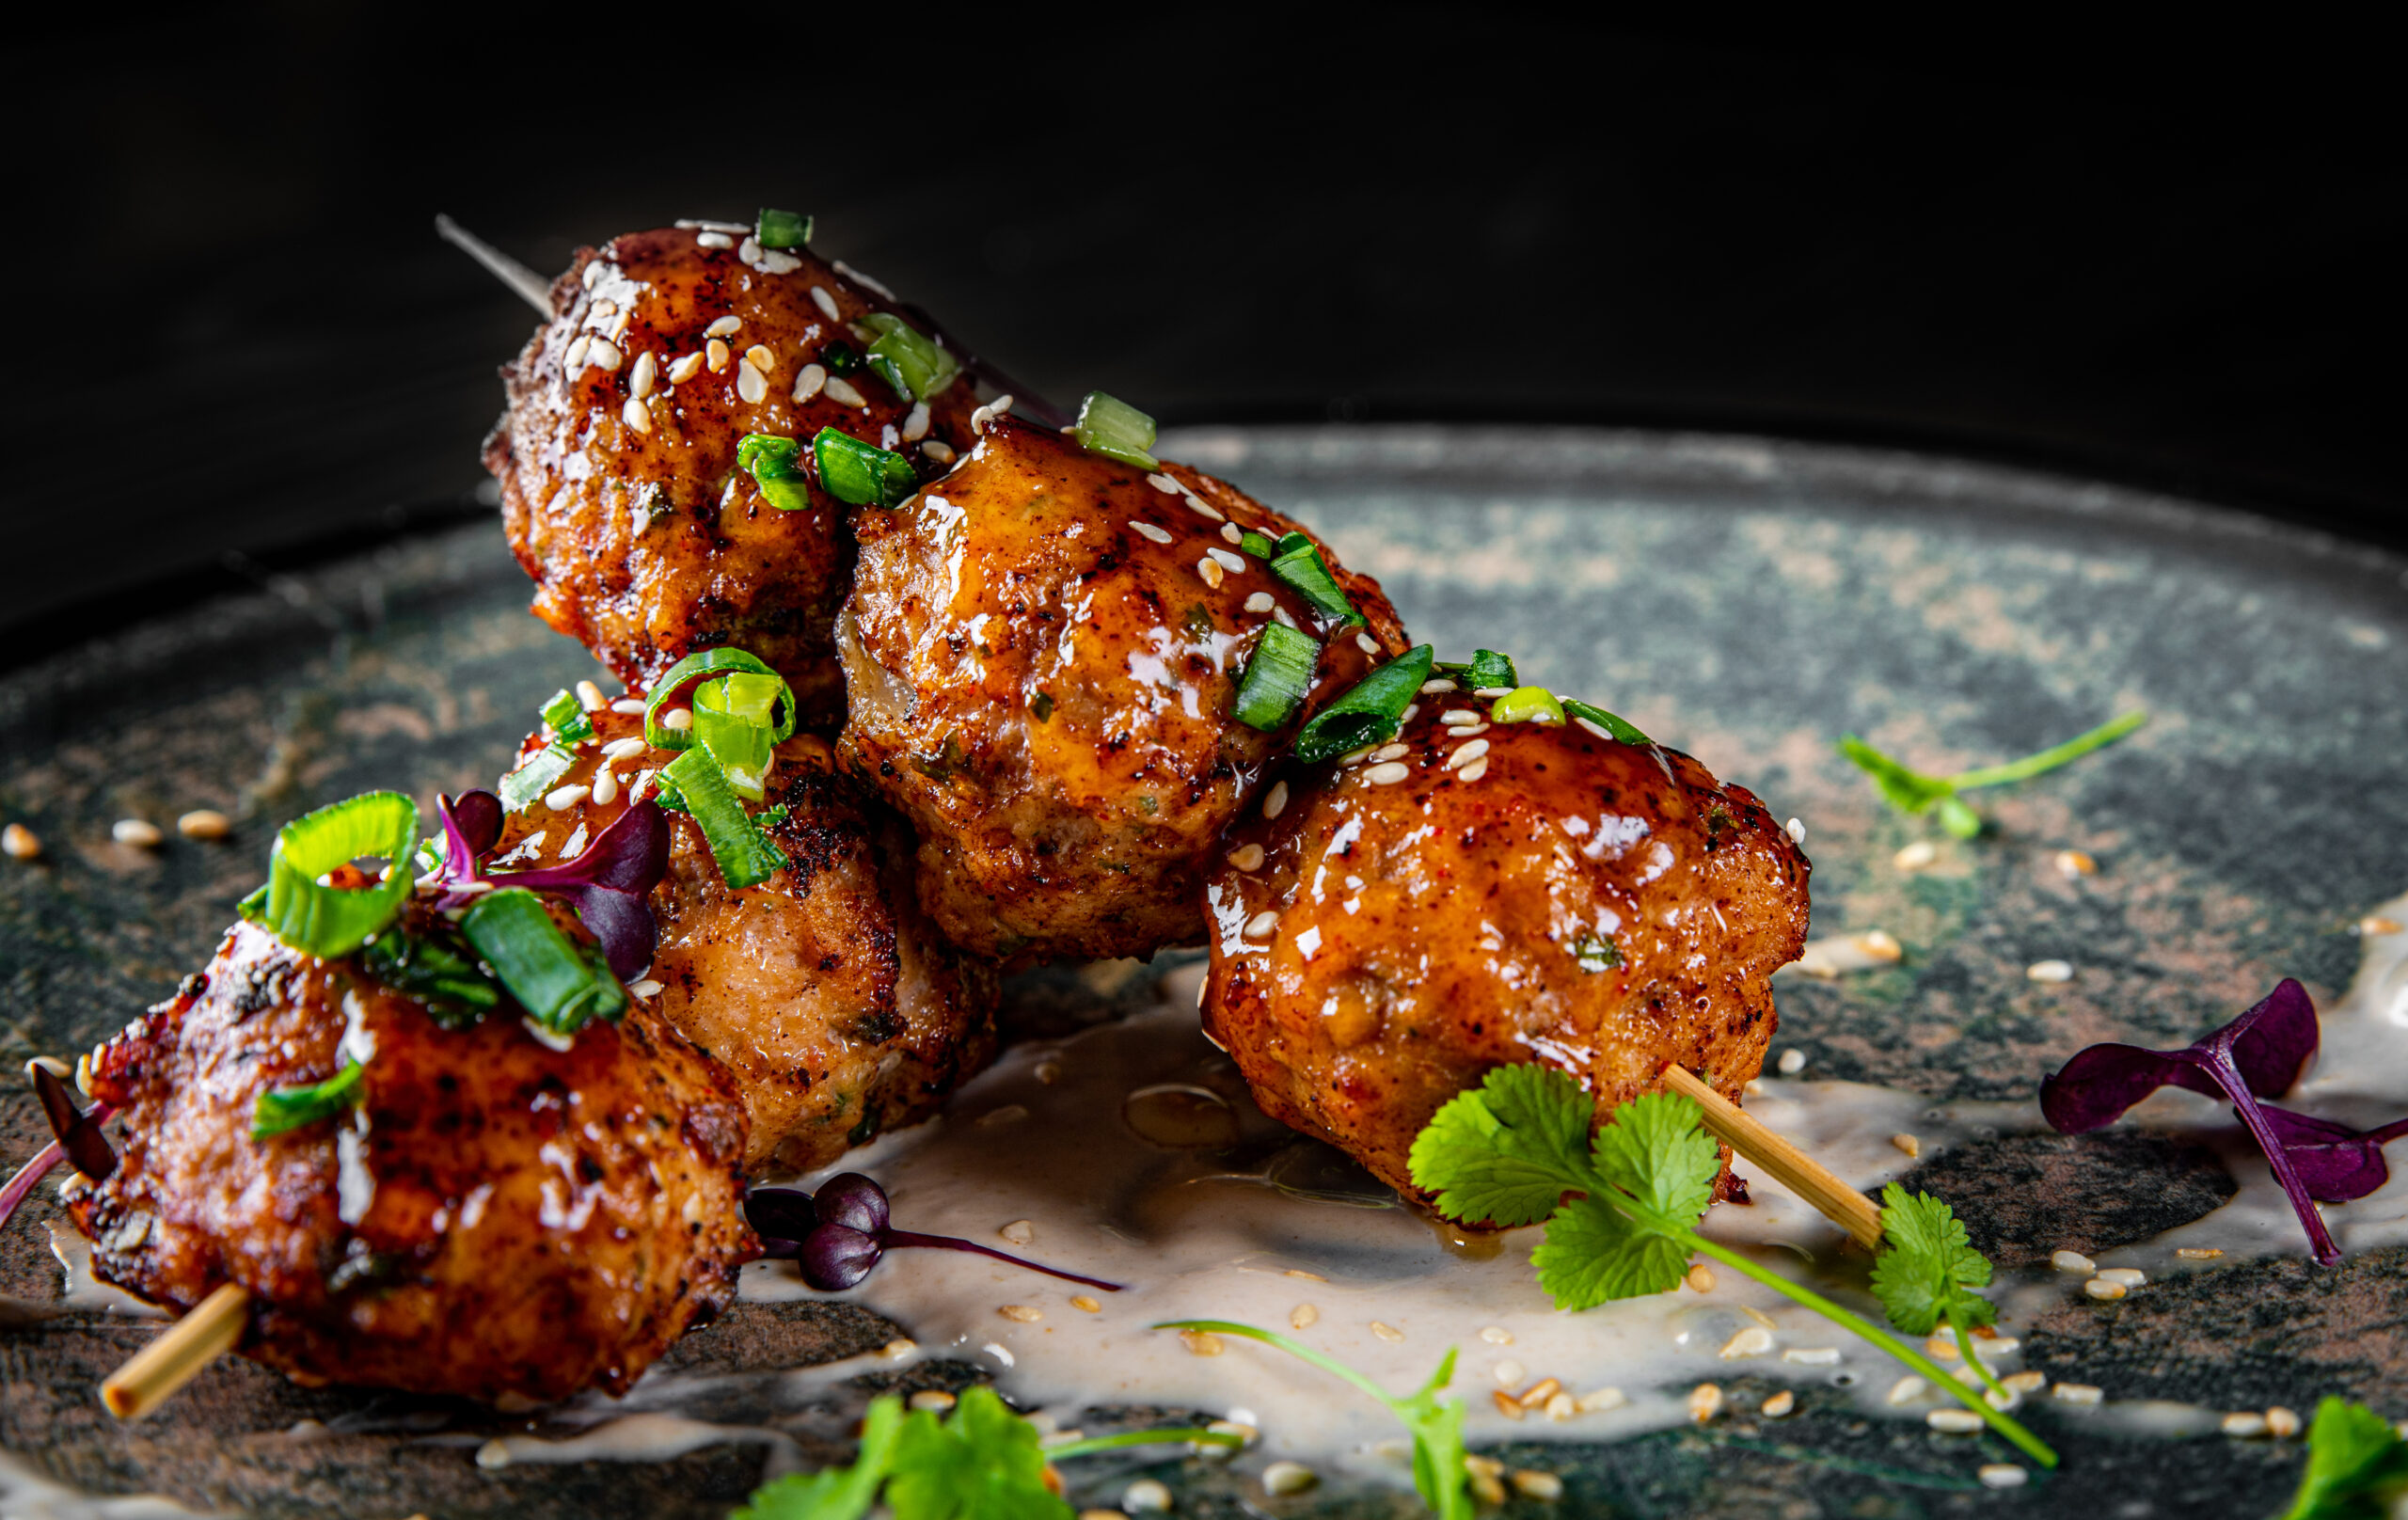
<point>2357,1465</point>
<point>1622,1207</point>
<point>1912,791</point>
<point>1927,1273</point>
<point>1434,1421</point>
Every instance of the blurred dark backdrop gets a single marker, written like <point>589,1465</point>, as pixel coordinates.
<point>2171,260</point>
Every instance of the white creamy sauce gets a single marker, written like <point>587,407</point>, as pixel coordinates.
<point>27,1495</point>
<point>79,1290</point>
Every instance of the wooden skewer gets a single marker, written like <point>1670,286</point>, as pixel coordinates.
<point>1792,1168</point>
<point>531,287</point>
<point>158,1369</point>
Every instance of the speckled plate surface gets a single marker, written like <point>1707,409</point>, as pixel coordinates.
<point>1743,599</point>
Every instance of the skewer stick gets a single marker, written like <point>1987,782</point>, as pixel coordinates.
<point>1792,1168</point>
<point>158,1369</point>
<point>531,287</point>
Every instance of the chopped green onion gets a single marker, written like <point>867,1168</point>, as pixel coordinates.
<point>1368,713</point>
<point>558,983</point>
<point>1277,675</point>
<point>906,360</point>
<point>840,356</point>
<point>775,464</point>
<point>453,987</point>
<point>565,717</point>
<point>1258,546</point>
<point>1616,728</point>
<point>327,920</point>
<point>862,474</point>
<point>1113,428</point>
<point>745,855</point>
<point>1486,670</point>
<point>701,667</point>
<point>733,716</point>
<point>539,774</point>
<point>1299,564</point>
<point>1526,704</point>
<point>1595,953</point>
<point>775,228</point>
<point>280,1109</point>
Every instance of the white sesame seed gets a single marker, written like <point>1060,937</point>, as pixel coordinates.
<point>2049,971</point>
<point>1411,709</point>
<point>1599,1399</point>
<point>1391,751</point>
<point>636,415</point>
<point>1147,530</point>
<point>2073,864</point>
<point>563,798</point>
<point>1022,1313</point>
<point>493,1454</point>
<point>2076,1393</point>
<point>1791,1062</point>
<point>1497,1335</point>
<point>1303,1317</point>
<point>1246,856</point>
<point>2101,1288</point>
<point>1231,531</point>
<point>1474,771</point>
<point>684,368</point>
<point>1794,828</point>
<point>1204,511</point>
<point>1780,1405</point>
<point>1754,1340</point>
<point>808,381</point>
<point>2376,924</point>
<point>1233,563</point>
<point>715,355</point>
<point>2072,1262</point>
<point>1019,1233</point>
<point>1705,1401</point>
<point>1490,693</point>
<point>626,749</point>
<point>606,787</point>
<point>1209,572</point>
<point>1907,1390</point>
<point>140,832</point>
<point>1275,801</point>
<point>938,449</point>
<point>1459,718</point>
<point>2281,1423</point>
<point>2246,1425</point>
<point>826,302</point>
<point>1354,758</point>
<point>1813,1355</point>
<point>844,392</point>
<point>2198,1252</point>
<point>1916,856</point>
<point>1465,754</point>
<point>603,355</point>
<point>750,385</point>
<point>1912,1145</point>
<point>630,705</point>
<point>1261,602</point>
<point>1283,1477</point>
<point>20,843</point>
<point>1145,1495</point>
<point>1532,1484</point>
<point>1260,924</point>
<point>1387,773</point>
<point>639,377</point>
<point>1368,644</point>
<point>1700,1278</point>
<point>589,696</point>
<point>915,422</point>
<point>647,987</point>
<point>1596,729</point>
<point>605,307</point>
<point>714,239</point>
<point>2126,1277</point>
<point>763,358</point>
<point>679,718</point>
<point>935,1400</point>
<point>727,326</point>
<point>1953,1421</point>
<point>574,360</point>
<point>594,271</point>
<point>1202,1342</point>
<point>2002,1475</point>
<point>1943,1346</point>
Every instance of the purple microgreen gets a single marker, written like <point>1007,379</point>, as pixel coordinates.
<point>21,1187</point>
<point>608,885</point>
<point>2258,1055</point>
<point>837,1237</point>
<point>78,1134</point>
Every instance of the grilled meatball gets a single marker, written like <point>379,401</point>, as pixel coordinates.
<point>840,1010</point>
<point>1603,907</point>
<point>1040,655</point>
<point>495,1218</point>
<point>617,457</point>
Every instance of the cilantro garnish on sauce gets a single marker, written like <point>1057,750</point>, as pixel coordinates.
<point>2357,1465</point>
<point>1912,791</point>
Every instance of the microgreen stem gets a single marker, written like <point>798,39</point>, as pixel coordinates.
<point>27,1175</point>
<point>1294,1348</point>
<point>2051,758</point>
<point>888,1237</point>
<point>1965,1349</point>
<point>2031,1445</point>
<point>1127,1438</point>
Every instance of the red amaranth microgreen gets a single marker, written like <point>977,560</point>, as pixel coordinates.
<point>608,885</point>
<point>839,1233</point>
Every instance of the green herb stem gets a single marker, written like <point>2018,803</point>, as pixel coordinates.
<point>1128,1438</point>
<point>2051,758</point>
<point>1965,1349</point>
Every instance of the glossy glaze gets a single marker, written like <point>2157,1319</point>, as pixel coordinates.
<point>1425,931</point>
<point>1044,689</point>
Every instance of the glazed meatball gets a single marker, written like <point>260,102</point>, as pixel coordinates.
<point>1497,893</point>
<point>620,489</point>
<point>1041,652</point>
<point>840,1010</point>
<point>495,1218</point>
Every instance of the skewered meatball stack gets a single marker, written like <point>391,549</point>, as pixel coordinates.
<point>1042,653</point>
<point>1495,893</point>
<point>617,458</point>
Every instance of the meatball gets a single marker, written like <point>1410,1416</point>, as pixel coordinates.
<point>1498,893</point>
<point>1040,655</point>
<point>495,1218</point>
<point>620,490</point>
<point>840,1010</point>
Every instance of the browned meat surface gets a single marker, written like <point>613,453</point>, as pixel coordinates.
<point>839,1009</point>
<point>645,542</point>
<point>1040,670</point>
<point>1573,904</point>
<point>495,1218</point>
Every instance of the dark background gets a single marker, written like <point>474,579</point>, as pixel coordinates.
<point>2168,260</point>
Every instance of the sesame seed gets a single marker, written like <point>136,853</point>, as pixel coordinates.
<point>1084,1304</point>
<point>603,355</point>
<point>900,1347</point>
<point>1368,644</point>
<point>204,823</point>
<point>1465,754</point>
<point>1943,1346</point>
<point>1907,1142</point>
<point>1019,1233</point>
<point>1391,751</point>
<point>750,385</point>
<point>493,1454</point>
<point>1276,800</point>
<point>2073,865</point>
<point>20,843</point>
<point>718,240</point>
<point>2002,1475</point>
<point>2076,1393</point>
<point>715,355</point>
<point>639,377</point>
<point>574,360</point>
<point>1490,693</point>
<point>1759,1316</point>
<point>1497,1335</point>
<point>1387,773</point>
<point>1208,513</point>
<point>825,301</point>
<point>1510,1373</point>
<point>841,391</point>
<point>1233,563</point>
<point>626,749</point>
<point>1022,1313</point>
<point>915,422</point>
<point>636,415</point>
<point>1916,856</point>
<point>1538,1393</point>
<point>1147,530</point>
<point>1705,1401</point>
<point>2049,971</point>
<point>2124,1276</point>
<point>1438,686</point>
<point>727,326</point>
<point>1796,830</point>
<point>1283,1477</point>
<point>1303,1317</point>
<point>1261,602</point>
<point>2281,1423</point>
<point>647,987</point>
<point>563,798</point>
<point>1262,924</point>
<point>605,307</point>
<point>594,271</point>
<point>678,719</point>
<point>1752,1342</point>
<point>762,358</point>
<point>1411,709</point>
<point>1791,1062</point>
<point>1246,856</point>
<point>1144,1495</point>
<point>1387,1332</point>
<point>1599,1399</point>
<point>2072,1262</point>
<point>1230,531</point>
<point>1203,1342</point>
<point>1309,1277</point>
<point>2102,1289</point>
<point>2376,924</point>
<point>1209,571</point>
<point>1907,1390</point>
<point>1507,1404</point>
<point>935,1400</point>
<point>684,368</point>
<point>1532,1484</point>
<point>606,787</point>
<point>1165,484</point>
<point>1459,718</point>
<point>1596,729</point>
<point>140,832</point>
<point>1780,1405</point>
<point>938,450</point>
<point>630,705</point>
<point>1811,1355</point>
<point>1474,771</point>
<point>1700,1278</point>
<point>2198,1252</point>
<point>2246,1425</point>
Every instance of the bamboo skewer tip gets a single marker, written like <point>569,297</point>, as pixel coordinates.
<point>1843,1205</point>
<point>157,1370</point>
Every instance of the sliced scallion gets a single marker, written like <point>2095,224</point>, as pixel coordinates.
<point>734,717</point>
<point>539,774</point>
<point>328,921</point>
<point>565,717</point>
<point>840,356</point>
<point>1113,428</point>
<point>454,988</point>
<point>1369,714</point>
<point>1526,704</point>
<point>775,228</point>
<point>1257,545</point>
<point>745,855</point>
<point>1300,566</point>
<point>703,666</point>
<point>1277,675</point>
<point>906,360</point>
<point>1486,670</point>
<point>558,982</point>
<point>1621,730</point>
<point>775,464</point>
<point>282,1109</point>
<point>862,474</point>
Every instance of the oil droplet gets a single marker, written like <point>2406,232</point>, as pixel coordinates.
<point>1180,1117</point>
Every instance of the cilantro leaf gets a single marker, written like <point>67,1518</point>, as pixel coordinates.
<point>1507,1150</point>
<point>1657,1151</point>
<point>2356,1465</point>
<point>1594,1254</point>
<point>1927,1265</point>
<point>835,1492</point>
<point>983,1462</point>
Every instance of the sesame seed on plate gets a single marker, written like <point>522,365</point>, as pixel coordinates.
<point>2076,1393</point>
<point>1596,1401</point>
<point>1953,1421</point>
<point>935,1400</point>
<point>1391,751</point>
<point>574,360</point>
<point>1086,1304</point>
<point>1387,773</point>
<point>2002,1475</point>
<point>1752,1340</point>
<point>1019,1233</point>
<point>1260,924</point>
<point>723,327</point>
<point>204,823</point>
<point>1700,1278</point>
<point>1147,530</point>
<point>2073,864</point>
<point>1465,754</point>
<point>603,355</point>
<point>1907,1390</point>
<point>2072,1262</point>
<point>1387,1332</point>
<point>1907,1142</point>
<point>2247,1425</point>
<point>715,353</point>
<point>1490,693</point>
<point>1261,601</point>
<point>1209,570</point>
<point>636,415</point>
<point>1507,1404</point>
<point>683,367</point>
<point>606,787</point>
<point>2049,971</point>
<point>639,377</point>
<point>1023,1313</point>
<point>2102,1288</point>
<point>2128,1276</point>
<point>1705,1401</point>
<point>1780,1405</point>
<point>2198,1252</point>
<point>1149,1493</point>
<point>1284,1478</point>
<point>563,798</point>
<point>1276,800</point>
<point>915,422</point>
<point>1303,1317</point>
<point>2281,1423</point>
<point>1474,771</point>
<point>1795,829</point>
<point>749,383</point>
<point>2025,1382</point>
<point>825,301</point>
<point>1233,563</point>
<point>938,449</point>
<point>1916,856</point>
<point>1791,1062</point>
<point>808,381</point>
<point>1813,1355</point>
<point>630,705</point>
<point>843,392</point>
<point>594,271</point>
<point>1203,1342</point>
<point>1230,531</point>
<point>140,832</point>
<point>1510,1371</point>
<point>714,239</point>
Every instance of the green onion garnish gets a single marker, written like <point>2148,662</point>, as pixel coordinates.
<point>540,772</point>
<point>328,921</point>
<point>1258,546</point>
<point>559,983</point>
<point>775,228</point>
<point>565,717</point>
<point>1299,564</point>
<point>1368,713</point>
<point>1593,953</point>
<point>1277,675</point>
<point>906,360</point>
<point>1113,428</point>
<point>280,1109</point>
<point>702,667</point>
<point>840,356</point>
<point>454,988</point>
<point>775,464</point>
<point>1486,670</point>
<point>745,855</point>
<point>1616,728</point>
<point>1526,704</point>
<point>734,717</point>
<point>862,474</point>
